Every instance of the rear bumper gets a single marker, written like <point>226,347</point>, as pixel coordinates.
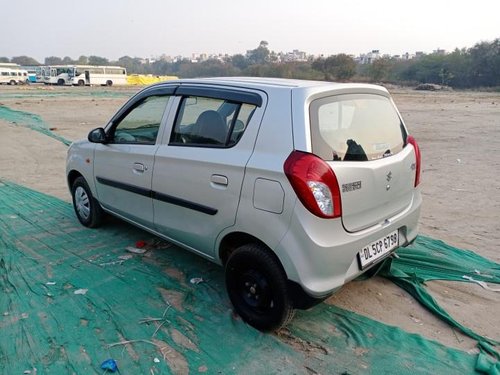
<point>320,256</point>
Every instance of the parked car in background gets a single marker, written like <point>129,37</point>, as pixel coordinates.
<point>295,187</point>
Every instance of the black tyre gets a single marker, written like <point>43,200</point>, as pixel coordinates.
<point>109,83</point>
<point>257,287</point>
<point>81,82</point>
<point>61,82</point>
<point>12,83</point>
<point>87,208</point>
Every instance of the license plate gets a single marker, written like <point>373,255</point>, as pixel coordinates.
<point>378,249</point>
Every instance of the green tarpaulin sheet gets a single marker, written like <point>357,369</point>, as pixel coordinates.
<point>72,297</point>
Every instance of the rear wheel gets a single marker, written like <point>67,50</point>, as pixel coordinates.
<point>12,83</point>
<point>87,208</point>
<point>109,83</point>
<point>81,82</point>
<point>60,82</point>
<point>257,287</point>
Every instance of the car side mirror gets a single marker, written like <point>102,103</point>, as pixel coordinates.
<point>97,135</point>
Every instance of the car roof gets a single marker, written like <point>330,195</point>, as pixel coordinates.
<point>266,81</point>
<point>301,87</point>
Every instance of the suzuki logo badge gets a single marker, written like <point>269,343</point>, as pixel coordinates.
<point>389,176</point>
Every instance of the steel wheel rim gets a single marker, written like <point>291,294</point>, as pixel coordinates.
<point>82,203</point>
<point>254,290</point>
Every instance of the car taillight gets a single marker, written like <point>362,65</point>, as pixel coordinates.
<point>418,157</point>
<point>315,184</point>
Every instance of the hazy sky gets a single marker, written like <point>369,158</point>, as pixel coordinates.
<point>114,28</point>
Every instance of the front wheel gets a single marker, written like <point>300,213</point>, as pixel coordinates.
<point>87,208</point>
<point>257,287</point>
<point>109,83</point>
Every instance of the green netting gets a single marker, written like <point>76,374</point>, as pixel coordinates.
<point>31,121</point>
<point>46,256</point>
<point>429,259</point>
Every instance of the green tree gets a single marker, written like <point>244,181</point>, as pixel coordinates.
<point>478,66</point>
<point>485,63</point>
<point>446,76</point>
<point>259,55</point>
<point>67,60</point>
<point>4,60</point>
<point>457,71</point>
<point>337,67</point>
<point>83,60</point>
<point>53,60</point>
<point>24,60</point>
<point>427,69</point>
<point>379,69</point>
<point>97,60</point>
<point>134,65</point>
<point>239,61</point>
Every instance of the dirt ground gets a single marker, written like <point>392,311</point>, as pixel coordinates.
<point>458,133</point>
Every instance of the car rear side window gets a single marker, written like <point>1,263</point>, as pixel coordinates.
<point>210,122</point>
<point>355,127</point>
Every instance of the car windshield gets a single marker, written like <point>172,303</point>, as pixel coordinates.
<point>355,127</point>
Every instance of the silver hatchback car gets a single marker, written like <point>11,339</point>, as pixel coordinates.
<point>295,187</point>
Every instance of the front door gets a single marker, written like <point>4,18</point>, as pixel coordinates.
<point>123,166</point>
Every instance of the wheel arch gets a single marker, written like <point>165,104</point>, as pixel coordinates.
<point>233,240</point>
<point>72,176</point>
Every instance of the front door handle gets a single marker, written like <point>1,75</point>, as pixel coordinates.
<point>139,167</point>
<point>218,179</point>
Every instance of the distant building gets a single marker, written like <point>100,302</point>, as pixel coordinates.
<point>369,57</point>
<point>166,58</point>
<point>148,60</point>
<point>295,55</point>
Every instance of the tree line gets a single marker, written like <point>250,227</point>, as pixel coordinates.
<point>478,66</point>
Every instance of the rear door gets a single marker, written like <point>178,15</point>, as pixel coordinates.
<point>200,167</point>
<point>123,166</point>
<point>363,139</point>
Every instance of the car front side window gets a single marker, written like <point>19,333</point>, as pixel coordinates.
<point>142,123</point>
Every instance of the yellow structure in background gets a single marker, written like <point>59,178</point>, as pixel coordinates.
<point>140,79</point>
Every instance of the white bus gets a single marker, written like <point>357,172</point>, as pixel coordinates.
<point>34,73</point>
<point>85,75</point>
<point>99,75</point>
<point>58,75</point>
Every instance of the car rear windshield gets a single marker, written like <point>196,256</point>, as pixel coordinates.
<point>355,127</point>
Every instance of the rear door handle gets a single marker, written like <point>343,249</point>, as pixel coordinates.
<point>139,167</point>
<point>218,179</point>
